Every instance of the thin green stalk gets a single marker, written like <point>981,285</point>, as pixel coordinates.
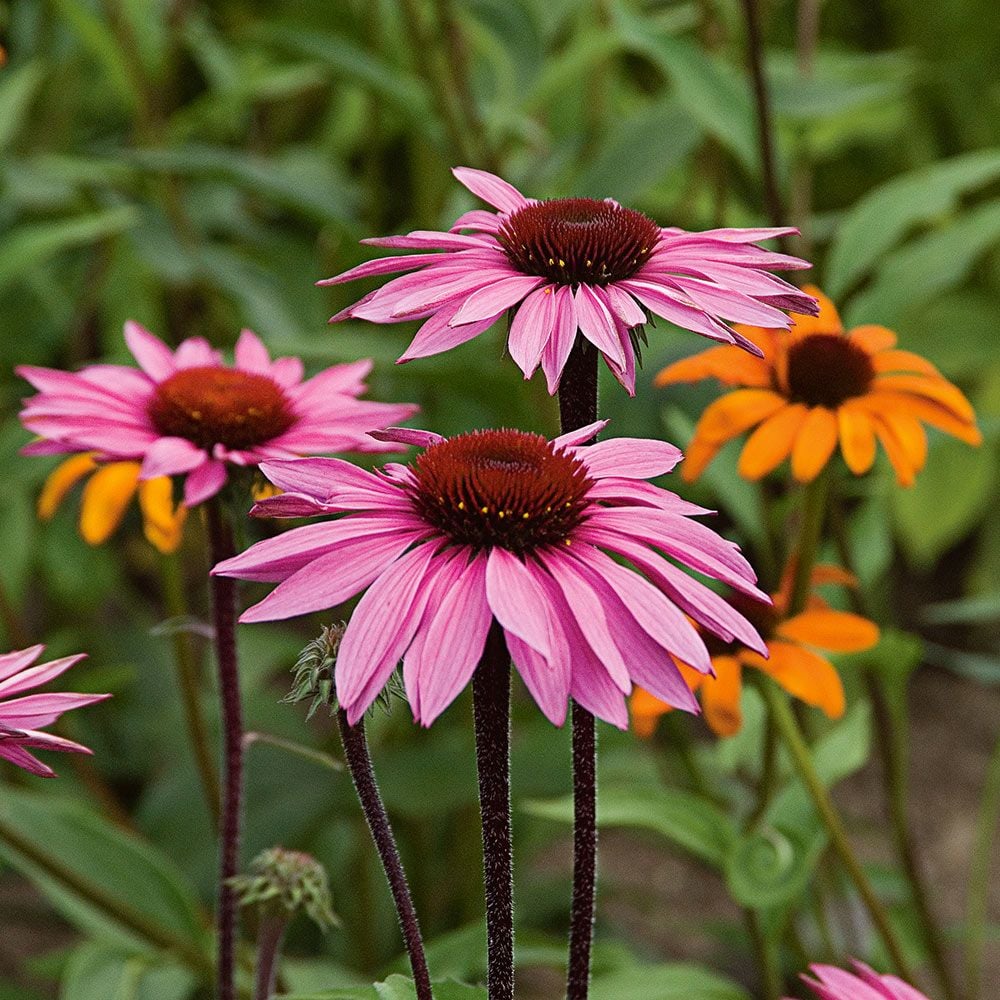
<point>979,883</point>
<point>189,683</point>
<point>768,773</point>
<point>114,908</point>
<point>290,746</point>
<point>813,515</point>
<point>767,959</point>
<point>792,736</point>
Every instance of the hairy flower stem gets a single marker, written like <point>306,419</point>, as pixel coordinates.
<point>762,102</point>
<point>788,728</point>
<point>220,540</point>
<point>577,408</point>
<point>188,682</point>
<point>979,882</point>
<point>270,936</point>
<point>491,707</point>
<point>359,763</point>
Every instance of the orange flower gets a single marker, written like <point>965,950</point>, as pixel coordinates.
<point>817,385</point>
<point>106,497</point>
<point>794,662</point>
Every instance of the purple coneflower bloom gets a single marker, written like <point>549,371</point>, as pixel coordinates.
<point>864,983</point>
<point>185,412</point>
<point>21,719</point>
<point>572,264</point>
<point>504,526</point>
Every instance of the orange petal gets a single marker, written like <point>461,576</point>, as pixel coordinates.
<point>720,696</point>
<point>734,413</point>
<point>838,631</point>
<point>906,474</point>
<point>60,481</point>
<point>646,711</point>
<point>807,676</point>
<point>729,364</point>
<point>857,438</point>
<point>903,361</point>
<point>873,338</point>
<point>935,389</point>
<point>105,498</point>
<point>771,443</point>
<point>828,320</point>
<point>826,573</point>
<point>923,409</point>
<point>911,436</point>
<point>814,445</point>
<point>163,523</point>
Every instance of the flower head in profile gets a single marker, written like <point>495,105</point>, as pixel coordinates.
<point>795,660</point>
<point>22,718</point>
<point>505,527</point>
<point>818,386</point>
<point>184,412</point>
<point>568,265</point>
<point>831,983</point>
<point>106,496</point>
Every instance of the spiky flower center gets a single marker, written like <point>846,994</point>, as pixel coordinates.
<point>574,241</point>
<point>501,488</point>
<point>213,405</point>
<point>826,369</point>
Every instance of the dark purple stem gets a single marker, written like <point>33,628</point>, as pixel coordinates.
<point>577,408</point>
<point>270,936</point>
<point>491,705</point>
<point>220,539</point>
<point>359,763</point>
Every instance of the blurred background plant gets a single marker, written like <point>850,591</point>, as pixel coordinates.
<point>197,167</point>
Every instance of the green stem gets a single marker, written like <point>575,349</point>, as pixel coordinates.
<point>290,746</point>
<point>767,958</point>
<point>979,884</point>
<point>768,773</point>
<point>813,516</point>
<point>789,731</point>
<point>115,909</point>
<point>189,683</point>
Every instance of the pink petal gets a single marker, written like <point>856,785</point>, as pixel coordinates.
<point>251,354</point>
<point>580,436</point>
<point>197,352</point>
<point>154,357</point>
<point>26,761</point>
<point>531,328</point>
<point>388,265</point>
<point>422,239</point>
<point>171,456</point>
<point>596,324</point>
<point>408,435</point>
<point>204,482</point>
<point>517,600</point>
<point>625,307</point>
<point>493,190</point>
<point>25,680</point>
<point>548,684</point>
<point>495,298</point>
<point>438,335</point>
<point>287,372</point>
<point>557,350</point>
<point>478,219</point>
<point>12,663</point>
<point>36,710</point>
<point>338,380</point>
<point>321,477</point>
<point>629,458</point>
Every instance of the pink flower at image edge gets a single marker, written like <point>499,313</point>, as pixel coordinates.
<point>864,983</point>
<point>502,526</point>
<point>572,264</point>
<point>184,412</point>
<point>22,718</point>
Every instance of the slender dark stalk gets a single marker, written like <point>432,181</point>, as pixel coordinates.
<point>491,706</point>
<point>767,957</point>
<point>270,936</point>
<point>359,763</point>
<point>762,103</point>
<point>577,408</point>
<point>220,540</point>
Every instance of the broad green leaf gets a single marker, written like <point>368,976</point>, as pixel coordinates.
<point>983,668</point>
<point>957,332</point>
<point>883,217</point>
<point>965,610</point>
<point>98,971</point>
<point>396,988</point>
<point>684,819</point>
<point>28,245</point>
<point>130,876</point>
<point>679,981</point>
<point>18,87</point>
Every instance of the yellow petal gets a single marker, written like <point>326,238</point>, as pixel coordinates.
<point>163,523</point>
<point>61,480</point>
<point>105,497</point>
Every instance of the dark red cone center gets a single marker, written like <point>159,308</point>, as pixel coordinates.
<point>826,369</point>
<point>210,406</point>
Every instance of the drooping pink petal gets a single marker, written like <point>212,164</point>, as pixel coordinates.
<point>597,325</point>
<point>438,335</point>
<point>389,265</point>
<point>36,710</point>
<point>531,328</point>
<point>12,663</point>
<point>495,298</point>
<point>26,761</point>
<point>33,677</point>
<point>204,482</point>
<point>170,456</point>
<point>549,685</point>
<point>517,600</point>
<point>427,239</point>
<point>560,343</point>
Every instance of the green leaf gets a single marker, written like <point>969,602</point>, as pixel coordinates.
<point>684,819</point>
<point>18,87</point>
<point>882,218</point>
<point>30,244</point>
<point>679,981</point>
<point>43,836</point>
<point>397,988</point>
<point>769,867</point>
<point>98,971</point>
<point>926,527</point>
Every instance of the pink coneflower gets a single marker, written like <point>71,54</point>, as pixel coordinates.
<point>505,526</point>
<point>573,264</point>
<point>21,719</point>
<point>863,984</point>
<point>185,412</point>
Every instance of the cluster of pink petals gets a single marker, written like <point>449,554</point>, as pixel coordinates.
<point>577,622</point>
<point>463,283</point>
<point>864,983</point>
<point>105,409</point>
<point>21,719</point>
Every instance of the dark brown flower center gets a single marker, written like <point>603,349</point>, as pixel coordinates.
<point>574,241</point>
<point>211,405</point>
<point>501,488</point>
<point>826,369</point>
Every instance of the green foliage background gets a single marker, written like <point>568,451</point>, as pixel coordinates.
<point>198,166</point>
